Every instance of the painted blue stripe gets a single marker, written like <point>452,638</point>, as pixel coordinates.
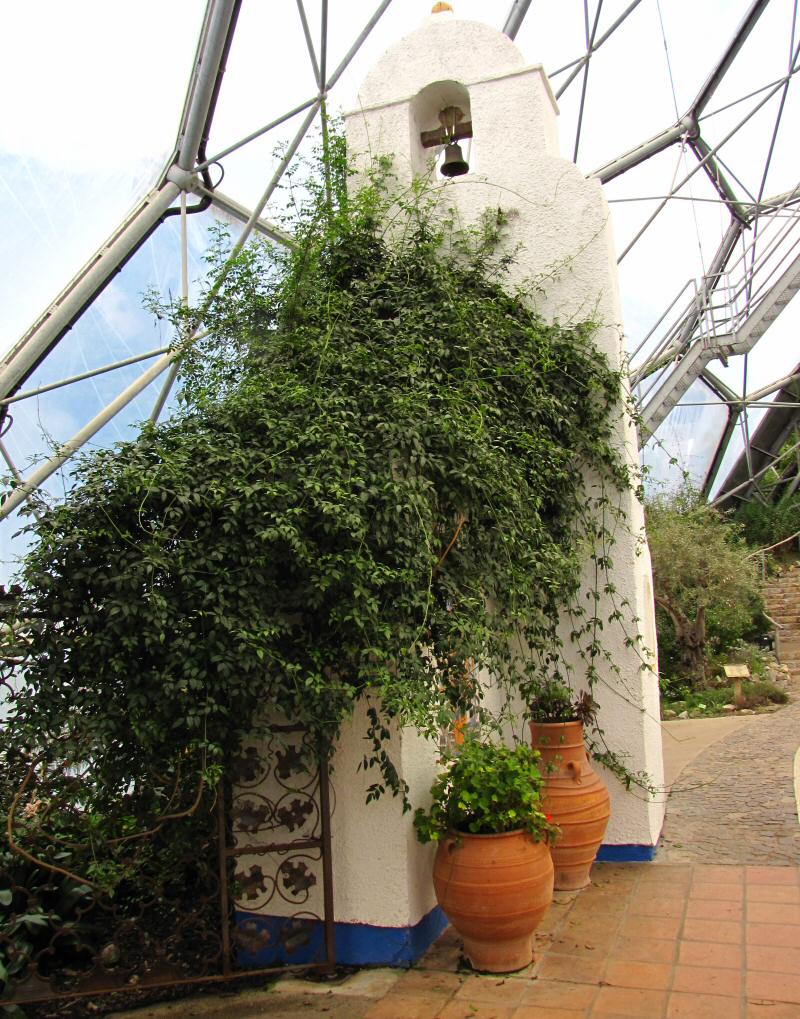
<point>273,941</point>
<point>626,854</point>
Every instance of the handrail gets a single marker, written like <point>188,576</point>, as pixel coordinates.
<point>769,548</point>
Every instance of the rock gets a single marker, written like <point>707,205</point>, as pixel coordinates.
<point>683,714</point>
<point>728,707</point>
<point>747,711</point>
<point>109,956</point>
<point>668,713</point>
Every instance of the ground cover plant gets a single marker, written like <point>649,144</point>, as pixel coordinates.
<point>372,488</point>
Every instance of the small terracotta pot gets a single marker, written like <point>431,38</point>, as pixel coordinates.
<point>495,889</point>
<point>575,796</point>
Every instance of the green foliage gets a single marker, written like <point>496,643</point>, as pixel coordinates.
<point>764,524</point>
<point>551,702</point>
<point>706,588</point>
<point>486,788</point>
<point>757,694</point>
<point>36,909</point>
<point>372,487</point>
<point>554,701</point>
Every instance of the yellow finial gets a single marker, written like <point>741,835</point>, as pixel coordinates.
<point>440,7</point>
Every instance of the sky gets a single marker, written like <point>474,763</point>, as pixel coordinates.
<point>93,94</point>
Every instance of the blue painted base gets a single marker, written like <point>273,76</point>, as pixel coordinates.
<point>626,854</point>
<point>275,941</point>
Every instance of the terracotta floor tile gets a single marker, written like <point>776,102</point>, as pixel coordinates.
<point>590,947</point>
<point>417,981</point>
<point>701,1006</point>
<point>620,871</point>
<point>571,968</point>
<point>709,909</point>
<point>772,912</point>
<point>705,953</point>
<point>443,960</point>
<point>670,872</point>
<point>666,888</point>
<point>587,928</point>
<point>777,935</point>
<point>406,1006</point>
<point>773,875</point>
<point>773,960</point>
<point>583,947</point>
<point>789,894</point>
<point>650,927</point>
<point>774,986</point>
<point>655,976</point>
<point>552,919</point>
<point>626,1001</point>
<point>717,873</point>
<point>655,905</point>
<point>723,892</point>
<point>536,1012</point>
<point>595,904</point>
<point>473,1010</point>
<point>558,994</point>
<point>708,980</point>
<point>644,950</point>
<point>771,1010</point>
<point>729,932</point>
<point>492,989</point>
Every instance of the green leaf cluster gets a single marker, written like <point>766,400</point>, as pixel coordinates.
<point>486,788</point>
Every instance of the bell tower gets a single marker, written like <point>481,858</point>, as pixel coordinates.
<point>463,89</point>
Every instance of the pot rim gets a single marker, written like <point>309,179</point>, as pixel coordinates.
<point>453,834</point>
<point>572,721</point>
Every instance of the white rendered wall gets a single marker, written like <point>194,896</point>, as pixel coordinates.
<point>561,221</point>
<point>381,873</point>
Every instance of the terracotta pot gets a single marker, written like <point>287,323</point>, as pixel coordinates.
<point>575,796</point>
<point>495,889</point>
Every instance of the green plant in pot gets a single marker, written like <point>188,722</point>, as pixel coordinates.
<point>493,874</point>
<point>574,794</point>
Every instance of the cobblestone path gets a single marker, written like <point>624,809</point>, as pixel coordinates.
<point>735,802</point>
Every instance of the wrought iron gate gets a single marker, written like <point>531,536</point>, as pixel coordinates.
<point>255,896</point>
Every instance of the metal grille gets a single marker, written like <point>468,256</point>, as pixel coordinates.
<point>252,895</point>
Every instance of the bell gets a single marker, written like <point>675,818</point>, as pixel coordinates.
<point>454,163</point>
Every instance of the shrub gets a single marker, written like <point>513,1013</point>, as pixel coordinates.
<point>706,588</point>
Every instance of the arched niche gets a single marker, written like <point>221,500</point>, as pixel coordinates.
<point>425,122</point>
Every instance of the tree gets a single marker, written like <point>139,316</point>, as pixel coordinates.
<point>702,578</point>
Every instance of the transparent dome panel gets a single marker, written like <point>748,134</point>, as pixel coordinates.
<point>83,135</point>
<point>686,442</point>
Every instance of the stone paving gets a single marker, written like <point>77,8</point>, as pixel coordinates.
<point>735,803</point>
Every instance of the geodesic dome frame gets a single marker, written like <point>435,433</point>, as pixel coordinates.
<point>719,314</point>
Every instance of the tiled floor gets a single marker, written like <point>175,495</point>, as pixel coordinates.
<point>645,941</point>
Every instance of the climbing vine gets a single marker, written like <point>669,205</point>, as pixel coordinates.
<point>371,489</point>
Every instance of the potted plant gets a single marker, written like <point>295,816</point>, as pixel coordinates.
<point>492,873</point>
<point>574,794</point>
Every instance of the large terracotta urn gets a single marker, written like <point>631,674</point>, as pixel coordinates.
<point>495,889</point>
<point>575,796</point>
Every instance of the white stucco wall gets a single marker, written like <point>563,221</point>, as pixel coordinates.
<point>381,873</point>
<point>567,263</point>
